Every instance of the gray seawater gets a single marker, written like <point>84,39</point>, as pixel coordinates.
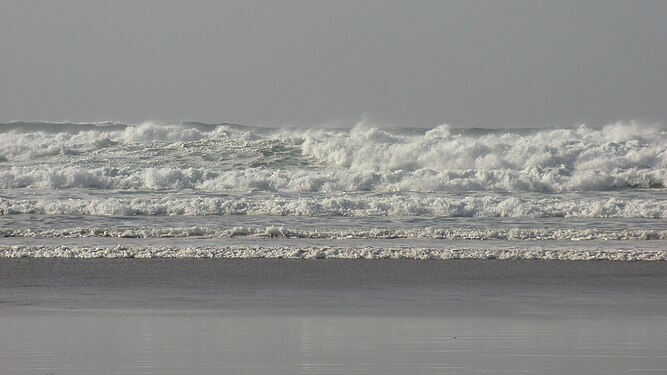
<point>223,190</point>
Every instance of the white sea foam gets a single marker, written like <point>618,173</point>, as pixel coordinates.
<point>614,146</point>
<point>532,253</point>
<point>288,180</point>
<point>512,234</point>
<point>358,205</point>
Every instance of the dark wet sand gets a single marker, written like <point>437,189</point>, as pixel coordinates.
<point>205,316</point>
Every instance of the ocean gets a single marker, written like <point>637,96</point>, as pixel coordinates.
<point>189,189</point>
<point>191,248</point>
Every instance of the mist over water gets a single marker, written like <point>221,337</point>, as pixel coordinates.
<point>260,176</point>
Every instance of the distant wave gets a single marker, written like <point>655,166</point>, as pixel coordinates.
<point>226,157</point>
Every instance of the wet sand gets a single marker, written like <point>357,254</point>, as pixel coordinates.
<point>204,316</point>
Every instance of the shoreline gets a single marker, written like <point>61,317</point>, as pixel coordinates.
<point>337,287</point>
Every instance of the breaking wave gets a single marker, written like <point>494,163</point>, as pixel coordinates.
<point>557,179</point>
<point>236,158</point>
<point>111,190</point>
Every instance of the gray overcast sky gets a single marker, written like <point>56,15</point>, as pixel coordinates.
<point>412,63</point>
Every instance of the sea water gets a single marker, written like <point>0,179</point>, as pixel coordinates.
<point>507,200</point>
<point>222,190</point>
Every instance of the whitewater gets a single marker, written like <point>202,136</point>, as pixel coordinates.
<point>191,189</point>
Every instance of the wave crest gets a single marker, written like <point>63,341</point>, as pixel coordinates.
<point>235,158</point>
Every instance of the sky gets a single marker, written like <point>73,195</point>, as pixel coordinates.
<point>317,63</point>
